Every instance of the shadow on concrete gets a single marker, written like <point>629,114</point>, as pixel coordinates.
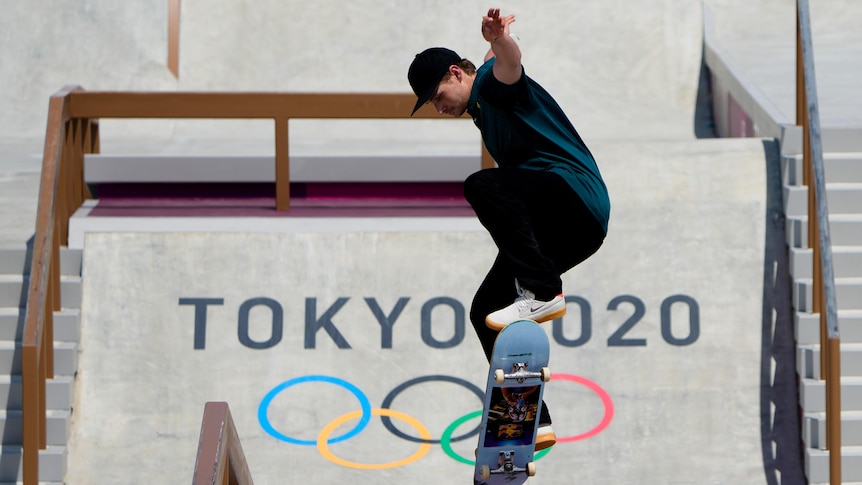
<point>704,122</point>
<point>779,434</point>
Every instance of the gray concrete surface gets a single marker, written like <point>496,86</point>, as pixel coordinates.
<point>705,197</point>
<point>627,73</point>
<point>622,70</point>
<point>273,45</point>
<point>20,168</point>
<point>761,39</point>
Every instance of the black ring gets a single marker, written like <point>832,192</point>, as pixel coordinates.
<point>387,402</point>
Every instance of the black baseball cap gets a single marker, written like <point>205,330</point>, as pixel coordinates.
<point>427,70</point>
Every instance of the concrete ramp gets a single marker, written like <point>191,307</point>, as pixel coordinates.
<point>348,357</point>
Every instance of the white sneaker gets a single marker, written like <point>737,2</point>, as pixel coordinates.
<point>545,437</point>
<point>527,307</point>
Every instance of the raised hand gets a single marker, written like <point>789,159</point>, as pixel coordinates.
<point>494,26</point>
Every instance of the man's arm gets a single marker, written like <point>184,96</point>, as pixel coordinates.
<point>495,29</point>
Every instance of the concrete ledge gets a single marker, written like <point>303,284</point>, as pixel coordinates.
<point>728,81</point>
<point>814,429</point>
<point>843,199</point>
<point>808,361</point>
<point>808,327</point>
<point>812,394</point>
<point>817,465</point>
<point>206,169</point>
<point>80,224</point>
<point>840,167</point>
<point>57,427</point>
<point>65,358</point>
<point>58,392</point>
<point>836,139</point>
<point>13,291</point>
<point>848,292</point>
<point>845,230</point>
<point>52,465</point>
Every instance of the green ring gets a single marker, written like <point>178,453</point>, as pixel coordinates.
<point>446,440</point>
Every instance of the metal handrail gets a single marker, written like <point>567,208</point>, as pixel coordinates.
<point>61,192</point>
<point>72,132</point>
<point>823,285</point>
<point>220,459</point>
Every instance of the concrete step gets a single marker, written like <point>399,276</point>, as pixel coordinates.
<point>66,324</point>
<point>836,139</point>
<point>13,291</point>
<point>848,294</point>
<point>808,360</point>
<point>17,261</point>
<point>52,465</point>
<point>812,394</point>
<point>838,167</point>
<point>58,392</point>
<point>57,427</point>
<point>814,429</point>
<point>65,358</point>
<point>846,262</point>
<point>808,327</point>
<point>817,465</point>
<point>844,230</point>
<point>842,198</point>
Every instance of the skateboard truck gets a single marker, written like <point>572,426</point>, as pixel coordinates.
<point>520,373</point>
<point>506,465</point>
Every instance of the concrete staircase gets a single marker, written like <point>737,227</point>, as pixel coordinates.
<point>843,167</point>
<point>14,279</point>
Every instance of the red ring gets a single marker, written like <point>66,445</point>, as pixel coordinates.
<point>606,401</point>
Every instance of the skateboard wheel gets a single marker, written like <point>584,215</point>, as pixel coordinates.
<point>499,376</point>
<point>531,469</point>
<point>485,472</point>
<point>546,374</point>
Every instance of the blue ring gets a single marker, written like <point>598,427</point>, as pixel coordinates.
<point>364,403</point>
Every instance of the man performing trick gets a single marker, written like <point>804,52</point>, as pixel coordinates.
<point>545,206</point>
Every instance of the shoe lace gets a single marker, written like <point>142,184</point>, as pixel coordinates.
<point>524,299</point>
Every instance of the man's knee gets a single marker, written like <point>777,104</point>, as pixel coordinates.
<point>478,183</point>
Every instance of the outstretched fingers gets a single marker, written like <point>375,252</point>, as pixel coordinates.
<point>494,26</point>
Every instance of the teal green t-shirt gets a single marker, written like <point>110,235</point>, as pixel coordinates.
<point>523,126</point>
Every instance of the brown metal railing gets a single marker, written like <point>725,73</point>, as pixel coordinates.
<point>823,284</point>
<point>72,131</point>
<point>220,459</point>
<point>61,192</point>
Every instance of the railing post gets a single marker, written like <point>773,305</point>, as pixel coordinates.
<point>32,420</point>
<point>282,165</point>
<point>487,159</point>
<point>85,147</point>
<point>93,146</point>
<point>174,37</point>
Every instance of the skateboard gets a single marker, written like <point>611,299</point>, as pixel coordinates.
<point>513,398</point>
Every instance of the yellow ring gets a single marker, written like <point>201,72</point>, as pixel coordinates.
<point>324,450</point>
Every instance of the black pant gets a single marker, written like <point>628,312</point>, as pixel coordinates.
<point>541,228</point>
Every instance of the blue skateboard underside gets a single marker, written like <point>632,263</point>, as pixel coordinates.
<point>508,429</point>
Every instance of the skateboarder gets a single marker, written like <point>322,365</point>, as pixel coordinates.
<point>545,206</point>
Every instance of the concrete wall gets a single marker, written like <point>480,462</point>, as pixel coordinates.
<point>638,404</point>
<point>619,71</point>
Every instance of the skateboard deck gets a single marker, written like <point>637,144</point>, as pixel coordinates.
<point>513,398</point>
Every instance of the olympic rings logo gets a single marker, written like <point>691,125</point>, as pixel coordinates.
<point>424,439</point>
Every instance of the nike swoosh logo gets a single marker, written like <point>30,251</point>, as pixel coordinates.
<point>535,309</point>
